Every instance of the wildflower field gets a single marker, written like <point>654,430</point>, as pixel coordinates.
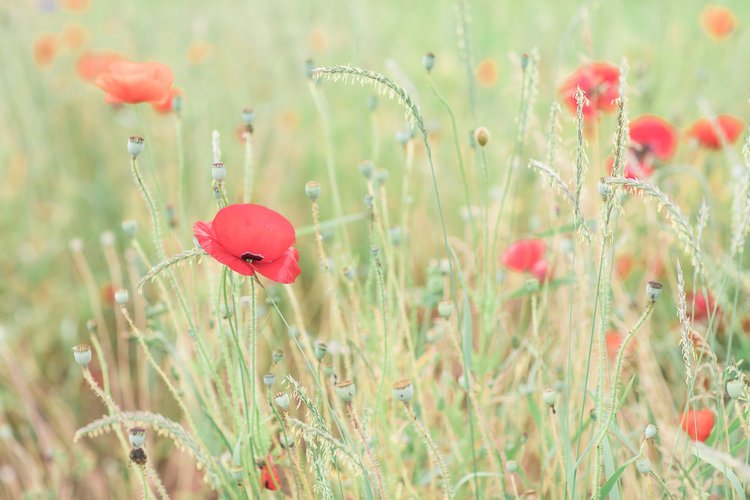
<point>364,250</point>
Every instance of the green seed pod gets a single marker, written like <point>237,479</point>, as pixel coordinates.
<point>643,465</point>
<point>320,350</point>
<point>428,61</point>
<point>218,171</point>
<point>650,432</point>
<point>82,354</point>
<point>345,390</point>
<point>312,190</point>
<point>403,390</point>
<point>549,397</point>
<point>237,472</point>
<point>269,379</point>
<point>366,168</point>
<point>248,116</point>
<point>135,146</point>
<point>282,400</point>
<point>276,355</point>
<point>122,297</point>
<point>512,466</point>
<point>653,290</point>
<point>130,227</point>
<point>734,388</point>
<point>445,309</point>
<point>137,436</point>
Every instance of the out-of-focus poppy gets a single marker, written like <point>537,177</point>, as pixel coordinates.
<point>698,424</point>
<point>599,81</point>
<point>705,133</point>
<point>131,82</point>
<point>718,22</point>
<point>74,35</point>
<point>269,477</point>
<point>650,134</point>
<point>249,238</point>
<point>45,49</point>
<point>92,64</point>
<point>487,73</point>
<point>528,256</point>
<point>198,52</point>
<point>77,6</point>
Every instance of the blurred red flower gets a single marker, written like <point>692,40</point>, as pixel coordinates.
<point>654,135</point>
<point>487,73</point>
<point>719,22</point>
<point>703,131</point>
<point>269,477</point>
<point>165,106</point>
<point>249,238</point>
<point>126,81</point>
<point>698,424</point>
<point>599,80</point>
<point>702,306</point>
<point>92,64</point>
<point>528,255</point>
<point>45,49</point>
<point>635,167</point>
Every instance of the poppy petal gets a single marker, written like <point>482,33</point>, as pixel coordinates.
<point>284,269</point>
<point>703,130</point>
<point>698,424</point>
<point>246,227</point>
<point>523,254</point>
<point>655,133</point>
<point>206,239</point>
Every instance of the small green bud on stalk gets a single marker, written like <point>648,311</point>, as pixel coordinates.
<point>345,390</point>
<point>428,61</point>
<point>403,390</point>
<point>218,171</point>
<point>312,190</point>
<point>82,355</point>
<point>122,297</point>
<point>135,146</point>
<point>653,290</point>
<point>137,436</point>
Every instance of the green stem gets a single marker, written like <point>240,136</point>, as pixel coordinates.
<point>248,167</point>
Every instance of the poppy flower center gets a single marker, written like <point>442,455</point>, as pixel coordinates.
<point>251,257</point>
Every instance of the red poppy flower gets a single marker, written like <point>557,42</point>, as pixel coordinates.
<point>269,478</point>
<point>703,131</point>
<point>698,424</point>
<point>92,64</point>
<point>45,49</point>
<point>719,22</point>
<point>165,106</point>
<point>528,255</point>
<point>599,80</point>
<point>250,238</point>
<point>614,342</point>
<point>701,307</point>
<point>487,73</point>
<point>653,135</point>
<point>635,167</point>
<point>131,82</point>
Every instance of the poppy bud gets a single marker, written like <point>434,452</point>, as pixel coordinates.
<point>365,168</point>
<point>445,309</point>
<point>402,137</point>
<point>524,61</point>
<point>320,350</point>
<point>137,436</point>
<point>643,465</point>
<point>512,466</point>
<point>282,400</point>
<point>328,369</point>
<point>82,354</point>
<point>130,227</point>
<point>372,102</point>
<point>276,355</point>
<point>369,201</point>
<point>177,102</point>
<point>121,297</point>
<point>734,388</point>
<point>428,61</point>
<point>349,272</point>
<point>653,290</point>
<point>381,175</point>
<point>218,171</point>
<point>345,390</point>
<point>138,456</point>
<point>312,190</point>
<point>135,145</point>
<point>482,136</point>
<point>248,116</point>
<point>374,251</point>
<point>549,397</point>
<point>604,190</point>
<point>237,472</point>
<point>308,68</point>
<point>403,390</point>
<point>286,441</point>
<point>269,379</point>
<point>91,327</point>
<point>169,211</point>
<point>650,432</point>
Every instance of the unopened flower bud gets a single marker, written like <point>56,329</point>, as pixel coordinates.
<point>381,175</point>
<point>122,297</point>
<point>276,355</point>
<point>82,354</point>
<point>218,171</point>
<point>605,191</point>
<point>482,136</point>
<point>372,102</point>
<point>130,227</point>
<point>512,466</point>
<point>428,61</point>
<point>524,61</point>
<point>653,290</point>
<point>403,390</point>
<point>445,309</point>
<point>312,190</point>
<point>366,168</point>
<point>248,116</point>
<point>650,432</point>
<point>328,369</point>
<point>308,68</point>
<point>320,350</point>
<point>177,103</point>
<point>282,400</point>
<point>137,436</point>
<point>135,145</point>
<point>643,465</point>
<point>269,379</point>
<point>549,397</point>
<point>734,388</point>
<point>345,390</point>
